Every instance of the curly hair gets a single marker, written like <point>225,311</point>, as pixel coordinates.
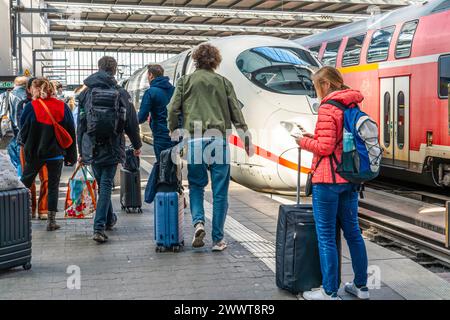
<point>46,88</point>
<point>207,57</point>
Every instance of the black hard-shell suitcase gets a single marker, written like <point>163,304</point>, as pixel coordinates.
<point>15,229</point>
<point>130,191</point>
<point>297,252</point>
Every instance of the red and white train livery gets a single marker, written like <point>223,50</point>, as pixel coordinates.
<point>400,61</point>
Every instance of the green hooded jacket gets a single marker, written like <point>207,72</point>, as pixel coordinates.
<point>206,97</point>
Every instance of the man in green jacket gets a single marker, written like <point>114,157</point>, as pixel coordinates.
<point>208,105</point>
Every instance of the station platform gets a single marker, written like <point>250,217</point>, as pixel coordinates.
<point>127,266</point>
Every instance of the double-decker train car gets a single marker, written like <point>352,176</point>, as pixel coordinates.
<point>400,61</point>
<point>272,80</point>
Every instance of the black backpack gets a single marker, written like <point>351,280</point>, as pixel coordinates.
<point>169,174</point>
<point>105,115</point>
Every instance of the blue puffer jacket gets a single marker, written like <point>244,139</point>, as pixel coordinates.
<point>154,103</point>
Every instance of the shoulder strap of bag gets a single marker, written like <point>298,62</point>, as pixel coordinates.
<point>48,111</point>
<point>337,104</point>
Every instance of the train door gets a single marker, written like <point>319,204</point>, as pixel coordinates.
<point>394,119</point>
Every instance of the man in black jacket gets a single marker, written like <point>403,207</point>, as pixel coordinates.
<point>104,154</point>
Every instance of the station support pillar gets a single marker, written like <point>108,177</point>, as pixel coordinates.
<point>5,46</point>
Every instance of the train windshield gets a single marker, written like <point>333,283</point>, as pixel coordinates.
<point>279,69</point>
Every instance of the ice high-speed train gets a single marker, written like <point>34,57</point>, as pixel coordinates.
<point>400,61</point>
<point>272,80</point>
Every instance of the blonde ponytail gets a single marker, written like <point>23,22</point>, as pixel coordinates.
<point>333,76</point>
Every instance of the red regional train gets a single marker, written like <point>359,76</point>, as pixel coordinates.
<point>400,61</point>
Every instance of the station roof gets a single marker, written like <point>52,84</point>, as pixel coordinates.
<point>174,25</point>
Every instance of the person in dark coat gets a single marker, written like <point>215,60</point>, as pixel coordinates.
<point>104,156</point>
<point>37,135</point>
<point>154,104</point>
<point>41,206</point>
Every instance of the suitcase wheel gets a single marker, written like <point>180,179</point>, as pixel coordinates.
<point>176,249</point>
<point>139,210</point>
<point>160,249</point>
<point>182,243</point>
<point>27,266</point>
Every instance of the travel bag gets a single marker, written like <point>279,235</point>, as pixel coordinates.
<point>130,183</point>
<point>130,191</point>
<point>168,222</point>
<point>15,229</point>
<point>297,252</point>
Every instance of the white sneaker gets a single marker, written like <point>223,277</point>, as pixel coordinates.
<point>219,246</point>
<point>319,294</point>
<point>360,293</point>
<point>199,234</point>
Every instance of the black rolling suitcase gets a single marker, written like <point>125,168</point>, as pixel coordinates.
<point>130,184</point>
<point>15,229</point>
<point>297,252</point>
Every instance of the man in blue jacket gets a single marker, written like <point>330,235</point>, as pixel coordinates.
<point>154,104</point>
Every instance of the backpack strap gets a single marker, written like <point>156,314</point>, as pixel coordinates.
<point>337,104</point>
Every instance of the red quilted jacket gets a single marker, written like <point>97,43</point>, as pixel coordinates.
<point>328,135</point>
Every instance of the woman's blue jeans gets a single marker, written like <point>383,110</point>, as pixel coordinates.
<point>212,154</point>
<point>332,202</point>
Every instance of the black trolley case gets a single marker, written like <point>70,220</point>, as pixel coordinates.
<point>297,252</point>
<point>130,183</point>
<point>15,229</point>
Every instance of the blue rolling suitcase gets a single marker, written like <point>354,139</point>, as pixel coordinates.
<point>169,214</point>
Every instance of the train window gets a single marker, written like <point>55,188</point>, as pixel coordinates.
<point>279,69</point>
<point>444,76</point>
<point>401,120</point>
<point>442,6</point>
<point>353,51</point>
<point>330,54</point>
<point>387,119</point>
<point>315,51</point>
<point>379,46</point>
<point>405,39</point>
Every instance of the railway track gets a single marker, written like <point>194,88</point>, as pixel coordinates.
<point>422,236</point>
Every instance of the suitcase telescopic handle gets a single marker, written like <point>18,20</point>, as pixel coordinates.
<point>299,170</point>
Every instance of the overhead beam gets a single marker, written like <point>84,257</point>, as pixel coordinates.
<point>369,2</point>
<point>118,36</point>
<point>66,8</point>
<point>72,43</point>
<point>78,24</point>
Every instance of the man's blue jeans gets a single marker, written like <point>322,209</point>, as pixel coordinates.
<point>212,154</point>
<point>332,202</point>
<point>104,214</point>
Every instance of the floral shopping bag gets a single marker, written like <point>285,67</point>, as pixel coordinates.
<point>81,201</point>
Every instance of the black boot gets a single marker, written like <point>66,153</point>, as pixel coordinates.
<point>51,221</point>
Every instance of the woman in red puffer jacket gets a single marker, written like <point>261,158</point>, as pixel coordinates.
<point>334,198</point>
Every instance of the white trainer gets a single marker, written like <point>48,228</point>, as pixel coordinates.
<point>360,293</point>
<point>219,246</point>
<point>319,294</point>
<point>199,234</point>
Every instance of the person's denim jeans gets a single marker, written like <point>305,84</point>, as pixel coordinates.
<point>104,214</point>
<point>212,154</point>
<point>332,202</point>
